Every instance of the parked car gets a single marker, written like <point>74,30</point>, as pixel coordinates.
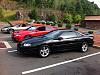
<point>10,29</point>
<point>57,40</point>
<point>31,32</point>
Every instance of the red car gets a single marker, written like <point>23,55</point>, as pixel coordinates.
<point>31,32</point>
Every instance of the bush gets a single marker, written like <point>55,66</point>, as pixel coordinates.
<point>76,29</point>
<point>67,18</point>
<point>48,23</point>
<point>90,32</point>
<point>53,24</point>
<point>68,26</point>
<point>33,15</point>
<point>51,18</point>
<point>8,18</point>
<point>43,23</point>
<point>37,22</point>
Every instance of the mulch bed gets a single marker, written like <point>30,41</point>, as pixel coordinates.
<point>2,45</point>
<point>97,39</point>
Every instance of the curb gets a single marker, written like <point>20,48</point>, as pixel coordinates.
<point>96,46</point>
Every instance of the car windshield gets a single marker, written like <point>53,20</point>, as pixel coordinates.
<point>18,25</point>
<point>52,34</point>
<point>31,28</point>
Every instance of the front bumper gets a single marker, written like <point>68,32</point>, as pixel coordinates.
<point>4,31</point>
<point>17,38</point>
<point>27,50</point>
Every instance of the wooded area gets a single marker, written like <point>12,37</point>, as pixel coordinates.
<point>74,10</point>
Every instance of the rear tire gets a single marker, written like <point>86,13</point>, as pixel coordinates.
<point>44,51</point>
<point>84,47</point>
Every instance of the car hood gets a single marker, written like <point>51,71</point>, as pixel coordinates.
<point>6,27</point>
<point>36,40</point>
<point>22,32</point>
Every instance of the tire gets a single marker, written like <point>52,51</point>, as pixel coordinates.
<point>11,31</point>
<point>27,37</point>
<point>44,51</point>
<point>84,47</point>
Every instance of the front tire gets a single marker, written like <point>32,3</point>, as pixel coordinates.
<point>84,47</point>
<point>11,31</point>
<point>44,51</point>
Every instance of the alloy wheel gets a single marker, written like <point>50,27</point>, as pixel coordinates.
<point>44,51</point>
<point>84,47</point>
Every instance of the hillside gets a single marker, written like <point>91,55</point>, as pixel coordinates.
<point>48,8</point>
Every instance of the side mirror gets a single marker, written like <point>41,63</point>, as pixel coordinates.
<point>59,38</point>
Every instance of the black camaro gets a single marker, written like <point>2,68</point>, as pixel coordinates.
<point>57,40</point>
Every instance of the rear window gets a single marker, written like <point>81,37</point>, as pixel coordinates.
<point>48,28</point>
<point>69,34</point>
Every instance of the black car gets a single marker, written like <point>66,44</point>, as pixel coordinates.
<point>57,40</point>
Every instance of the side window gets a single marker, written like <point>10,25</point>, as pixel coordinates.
<point>41,28</point>
<point>69,34</point>
<point>79,34</point>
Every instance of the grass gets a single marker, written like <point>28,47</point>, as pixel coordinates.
<point>8,15</point>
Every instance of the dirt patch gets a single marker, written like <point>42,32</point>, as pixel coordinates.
<point>2,45</point>
<point>97,39</point>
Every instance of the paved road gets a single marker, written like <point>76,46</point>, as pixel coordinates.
<point>14,63</point>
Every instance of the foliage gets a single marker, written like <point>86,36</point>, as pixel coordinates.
<point>90,32</point>
<point>1,12</point>
<point>68,25</point>
<point>7,15</point>
<point>51,17</point>
<point>67,18</point>
<point>82,7</point>
<point>76,29</point>
<point>33,14</point>
<point>77,18</point>
<point>8,18</point>
<point>71,7</point>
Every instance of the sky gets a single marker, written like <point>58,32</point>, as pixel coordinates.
<point>96,2</point>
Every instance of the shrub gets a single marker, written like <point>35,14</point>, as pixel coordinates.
<point>53,24</point>
<point>33,15</point>
<point>90,32</point>
<point>51,17</point>
<point>76,29</point>
<point>48,23</point>
<point>68,26</point>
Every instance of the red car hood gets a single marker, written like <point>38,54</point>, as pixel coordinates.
<point>22,32</point>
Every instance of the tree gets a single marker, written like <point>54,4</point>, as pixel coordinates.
<point>67,18</point>
<point>33,14</point>
<point>1,12</point>
<point>79,8</point>
<point>77,18</point>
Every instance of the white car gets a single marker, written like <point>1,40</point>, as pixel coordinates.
<point>10,29</point>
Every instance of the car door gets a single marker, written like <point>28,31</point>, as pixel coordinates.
<point>67,42</point>
<point>39,31</point>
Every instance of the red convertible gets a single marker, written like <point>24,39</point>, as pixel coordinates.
<point>31,32</point>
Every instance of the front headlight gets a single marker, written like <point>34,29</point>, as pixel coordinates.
<point>5,29</point>
<point>18,35</point>
<point>26,45</point>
